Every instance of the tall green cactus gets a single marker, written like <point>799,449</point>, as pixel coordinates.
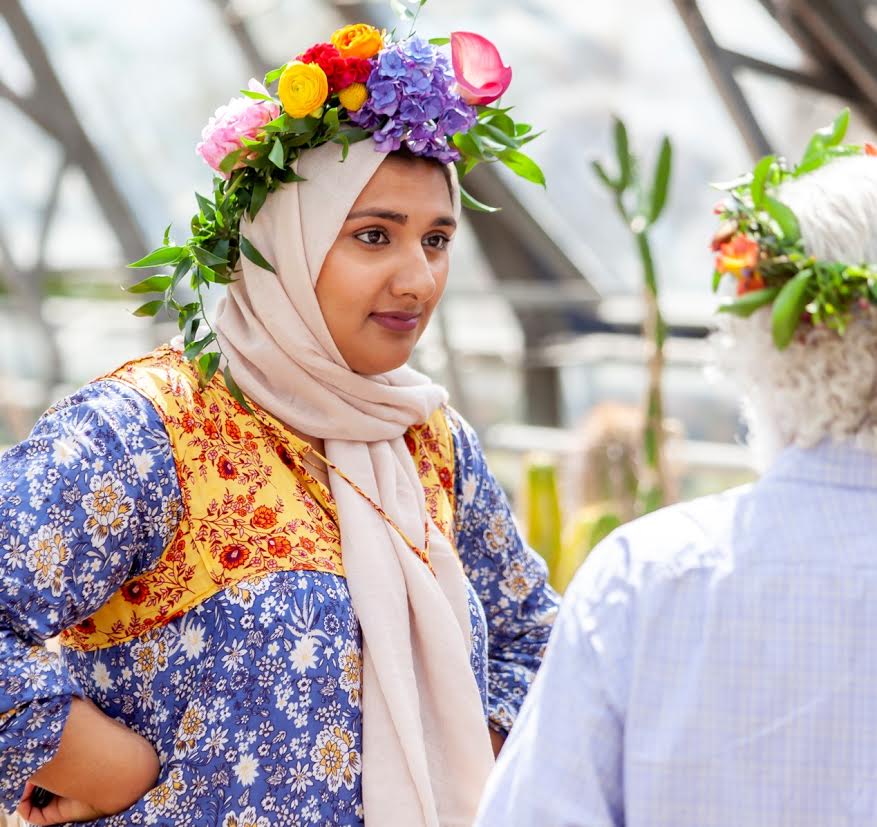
<point>640,205</point>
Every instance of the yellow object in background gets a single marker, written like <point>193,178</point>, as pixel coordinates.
<point>542,504</point>
<point>588,526</point>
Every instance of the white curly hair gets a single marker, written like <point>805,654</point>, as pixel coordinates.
<point>824,385</point>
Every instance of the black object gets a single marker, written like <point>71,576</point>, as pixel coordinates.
<point>40,797</point>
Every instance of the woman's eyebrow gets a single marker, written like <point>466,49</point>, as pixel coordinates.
<point>388,215</point>
<point>398,217</point>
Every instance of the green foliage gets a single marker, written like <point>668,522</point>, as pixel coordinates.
<point>801,288</point>
<point>640,205</point>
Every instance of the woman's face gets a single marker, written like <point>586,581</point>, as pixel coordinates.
<point>388,268</point>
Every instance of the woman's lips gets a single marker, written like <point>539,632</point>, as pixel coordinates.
<point>399,322</point>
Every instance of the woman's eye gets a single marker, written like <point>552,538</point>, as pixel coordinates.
<point>437,242</point>
<point>373,237</point>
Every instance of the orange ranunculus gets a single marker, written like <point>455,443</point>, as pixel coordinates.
<point>358,40</point>
<point>738,257</point>
<point>303,87</point>
<point>749,283</point>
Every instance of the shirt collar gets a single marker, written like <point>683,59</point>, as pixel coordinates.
<point>828,463</point>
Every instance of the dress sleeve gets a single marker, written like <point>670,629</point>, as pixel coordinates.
<point>510,578</point>
<point>563,762</point>
<point>89,498</point>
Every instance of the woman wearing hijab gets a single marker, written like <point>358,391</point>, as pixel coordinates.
<point>277,585</point>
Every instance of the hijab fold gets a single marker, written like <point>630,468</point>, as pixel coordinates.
<point>426,752</point>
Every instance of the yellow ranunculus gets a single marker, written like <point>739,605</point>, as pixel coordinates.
<point>353,97</point>
<point>358,40</point>
<point>303,87</point>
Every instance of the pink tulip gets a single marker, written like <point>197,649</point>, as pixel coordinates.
<point>481,76</point>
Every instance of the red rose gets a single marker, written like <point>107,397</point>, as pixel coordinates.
<point>233,556</point>
<point>135,592</point>
<point>226,470</point>
<point>264,517</point>
<point>279,546</point>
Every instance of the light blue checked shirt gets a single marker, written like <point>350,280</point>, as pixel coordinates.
<point>714,663</point>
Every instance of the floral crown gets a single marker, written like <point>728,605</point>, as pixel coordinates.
<point>759,243</point>
<point>363,84</point>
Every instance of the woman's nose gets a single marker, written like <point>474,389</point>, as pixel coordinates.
<point>414,276</point>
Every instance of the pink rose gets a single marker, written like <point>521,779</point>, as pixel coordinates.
<point>239,118</point>
<point>481,76</point>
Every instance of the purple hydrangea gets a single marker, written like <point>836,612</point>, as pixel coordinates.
<point>411,100</point>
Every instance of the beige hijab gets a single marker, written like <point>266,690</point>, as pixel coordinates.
<point>426,750</point>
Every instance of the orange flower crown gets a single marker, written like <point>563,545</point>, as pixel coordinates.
<point>759,244</point>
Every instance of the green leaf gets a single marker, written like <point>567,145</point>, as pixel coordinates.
<point>255,256</point>
<point>468,144</point>
<point>717,279</point>
<point>829,136</point>
<point>227,163</point>
<point>759,176</point>
<point>154,284</point>
<point>662,180</point>
<point>207,365</point>
<point>276,154</point>
<point>160,257</point>
<point>273,75</point>
<point>622,152</point>
<point>473,204</point>
<point>206,206</point>
<point>604,176</point>
<point>257,96</point>
<point>279,124</point>
<point>234,390</point>
<point>440,41</point>
<point>330,119</point>
<point>784,217</point>
<point>260,193</point>
<point>207,274</point>
<point>196,347</point>
<point>747,304</point>
<point>150,308</point>
<point>166,240</point>
<point>523,166</point>
<point>401,10</point>
<point>179,271</point>
<point>788,307</point>
<point>206,258</point>
<point>498,135</point>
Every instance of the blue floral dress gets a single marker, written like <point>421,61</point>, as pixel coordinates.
<point>251,698</point>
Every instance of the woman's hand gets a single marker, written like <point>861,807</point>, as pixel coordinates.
<point>58,811</point>
<point>100,769</point>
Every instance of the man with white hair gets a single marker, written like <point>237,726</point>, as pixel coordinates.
<point>714,662</point>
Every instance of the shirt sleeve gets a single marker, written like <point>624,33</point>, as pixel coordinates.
<point>562,763</point>
<point>89,498</point>
<point>511,579</point>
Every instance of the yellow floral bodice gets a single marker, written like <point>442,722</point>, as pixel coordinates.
<point>249,506</point>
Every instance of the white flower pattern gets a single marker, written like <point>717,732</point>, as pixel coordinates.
<point>253,697</point>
